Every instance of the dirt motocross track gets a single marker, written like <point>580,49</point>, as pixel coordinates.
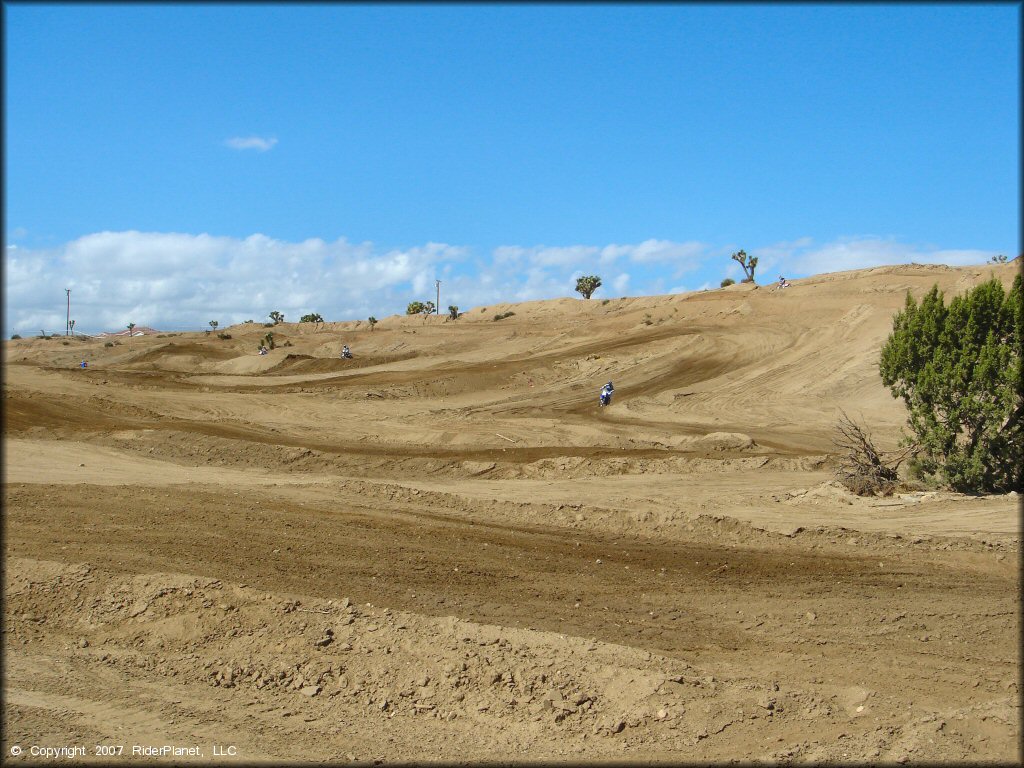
<point>444,550</point>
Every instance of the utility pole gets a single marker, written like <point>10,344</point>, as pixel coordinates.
<point>67,328</point>
<point>437,307</point>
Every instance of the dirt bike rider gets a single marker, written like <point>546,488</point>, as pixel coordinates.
<point>345,352</point>
<point>606,393</point>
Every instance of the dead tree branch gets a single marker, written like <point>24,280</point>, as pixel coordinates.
<point>863,469</point>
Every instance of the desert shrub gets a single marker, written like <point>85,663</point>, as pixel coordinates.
<point>918,475</point>
<point>503,315</point>
<point>66,343</point>
<point>224,336</point>
<point>15,336</point>
<point>415,308</point>
<point>727,282</point>
<point>286,343</point>
<point>604,301</point>
<point>109,344</point>
<point>960,373</point>
<point>863,469</point>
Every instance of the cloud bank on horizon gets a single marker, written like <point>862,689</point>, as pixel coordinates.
<point>176,281</point>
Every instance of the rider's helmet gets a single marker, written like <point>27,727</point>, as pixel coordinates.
<point>609,385</point>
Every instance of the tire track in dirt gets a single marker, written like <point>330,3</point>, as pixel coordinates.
<point>521,575</point>
<point>24,413</point>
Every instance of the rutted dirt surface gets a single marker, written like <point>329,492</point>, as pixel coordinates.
<point>443,550</point>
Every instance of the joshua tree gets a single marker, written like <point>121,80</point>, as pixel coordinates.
<point>586,285</point>
<point>214,324</point>
<point>747,262</point>
<point>269,340</point>
<point>71,325</point>
<point>277,317</point>
<point>372,321</point>
<point>428,308</point>
<point>453,312</point>
<point>131,329</point>
<point>414,308</point>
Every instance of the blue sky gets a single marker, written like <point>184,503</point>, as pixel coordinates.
<point>174,164</point>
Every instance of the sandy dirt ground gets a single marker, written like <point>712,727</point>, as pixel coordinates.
<point>443,549</point>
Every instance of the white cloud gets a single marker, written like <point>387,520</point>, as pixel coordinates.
<point>545,256</point>
<point>177,281</point>
<point>849,253</point>
<point>768,257</point>
<point>251,142</point>
<point>651,251</point>
<point>683,256</point>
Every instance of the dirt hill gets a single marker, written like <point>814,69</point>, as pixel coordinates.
<point>443,548</point>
